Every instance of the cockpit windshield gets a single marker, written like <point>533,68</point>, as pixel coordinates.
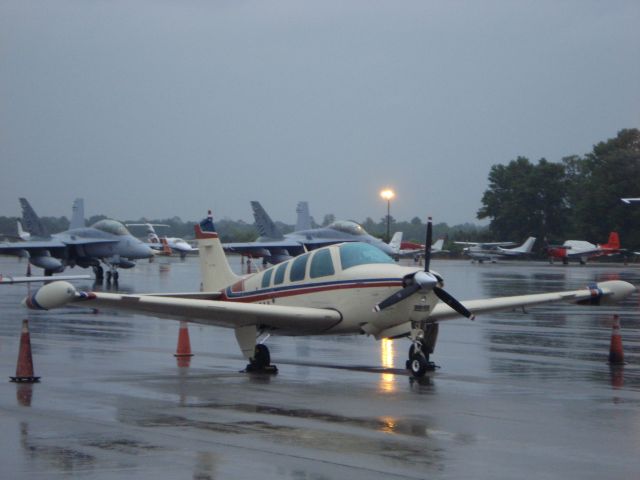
<point>357,253</point>
<point>111,226</point>
<point>348,226</point>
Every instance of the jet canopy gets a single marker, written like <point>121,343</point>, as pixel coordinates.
<point>111,226</point>
<point>348,226</point>
<point>356,253</point>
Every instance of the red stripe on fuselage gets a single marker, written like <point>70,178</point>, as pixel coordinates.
<point>251,298</point>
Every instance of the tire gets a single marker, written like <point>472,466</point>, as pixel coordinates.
<point>261,357</point>
<point>418,365</point>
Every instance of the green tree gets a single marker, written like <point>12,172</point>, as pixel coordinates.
<point>597,181</point>
<point>526,199</point>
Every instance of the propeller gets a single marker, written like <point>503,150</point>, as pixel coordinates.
<point>425,280</point>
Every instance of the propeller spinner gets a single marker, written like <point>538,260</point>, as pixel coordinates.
<point>425,280</point>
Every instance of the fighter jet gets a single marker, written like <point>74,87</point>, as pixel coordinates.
<point>106,242</point>
<point>274,247</point>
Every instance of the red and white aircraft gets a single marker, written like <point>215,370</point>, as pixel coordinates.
<point>349,288</point>
<point>582,250</point>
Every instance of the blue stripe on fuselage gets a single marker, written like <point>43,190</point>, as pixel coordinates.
<point>299,289</point>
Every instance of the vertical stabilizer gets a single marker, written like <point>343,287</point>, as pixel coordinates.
<point>396,242</point>
<point>613,243</point>
<point>77,214</point>
<point>304,219</point>
<point>214,267</point>
<point>266,228</point>
<point>30,220</point>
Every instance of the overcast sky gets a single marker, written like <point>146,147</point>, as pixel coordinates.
<point>167,108</point>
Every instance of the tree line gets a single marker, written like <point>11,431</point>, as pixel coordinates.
<point>576,198</point>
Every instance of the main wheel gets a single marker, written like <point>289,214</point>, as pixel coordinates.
<point>261,356</point>
<point>418,365</point>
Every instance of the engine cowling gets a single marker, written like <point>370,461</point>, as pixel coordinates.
<point>52,295</point>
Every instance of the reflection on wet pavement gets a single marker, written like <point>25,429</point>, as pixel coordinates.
<point>515,392</point>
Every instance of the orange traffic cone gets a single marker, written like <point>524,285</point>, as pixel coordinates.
<point>616,355</point>
<point>184,345</point>
<point>24,370</point>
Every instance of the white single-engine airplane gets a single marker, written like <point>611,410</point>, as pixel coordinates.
<point>348,288</point>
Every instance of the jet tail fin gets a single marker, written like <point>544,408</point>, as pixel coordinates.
<point>30,220</point>
<point>77,214</point>
<point>215,269</point>
<point>266,227</point>
<point>437,245</point>
<point>304,219</point>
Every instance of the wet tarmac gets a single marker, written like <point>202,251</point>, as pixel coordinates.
<point>517,395</point>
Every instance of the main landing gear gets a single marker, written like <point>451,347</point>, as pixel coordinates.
<point>424,338</point>
<point>261,361</point>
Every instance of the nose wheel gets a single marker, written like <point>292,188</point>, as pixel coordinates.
<point>424,337</point>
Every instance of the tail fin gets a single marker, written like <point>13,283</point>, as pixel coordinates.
<point>614,241</point>
<point>214,267</point>
<point>304,219</point>
<point>166,249</point>
<point>395,242</point>
<point>527,246</point>
<point>266,227</point>
<point>30,220</point>
<point>22,235</point>
<point>77,214</point>
<point>437,245</point>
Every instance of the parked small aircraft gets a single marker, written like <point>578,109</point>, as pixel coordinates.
<point>583,250</point>
<point>274,247</point>
<point>348,288</point>
<point>402,249</point>
<point>175,244</point>
<point>495,251</point>
<point>106,241</point>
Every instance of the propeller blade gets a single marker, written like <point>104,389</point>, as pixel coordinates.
<point>427,245</point>
<point>453,303</point>
<point>397,297</point>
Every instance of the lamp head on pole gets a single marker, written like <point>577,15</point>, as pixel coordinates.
<point>387,194</point>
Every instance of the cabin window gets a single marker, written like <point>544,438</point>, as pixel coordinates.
<point>279,276</point>
<point>266,278</point>
<point>298,268</point>
<point>356,253</point>
<point>321,264</point>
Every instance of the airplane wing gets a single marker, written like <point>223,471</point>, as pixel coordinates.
<point>291,246</point>
<point>487,244</point>
<point>15,248</point>
<point>586,295</point>
<point>4,279</point>
<point>208,312</point>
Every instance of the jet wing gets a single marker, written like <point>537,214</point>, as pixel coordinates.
<point>14,248</point>
<point>262,248</point>
<point>487,244</point>
<point>300,320</point>
<point>88,241</point>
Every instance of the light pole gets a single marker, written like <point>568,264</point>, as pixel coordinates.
<point>388,194</point>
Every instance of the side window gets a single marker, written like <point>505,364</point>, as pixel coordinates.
<point>298,268</point>
<point>266,278</point>
<point>321,264</point>
<point>279,276</point>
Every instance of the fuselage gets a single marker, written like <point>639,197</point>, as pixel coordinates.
<point>326,278</point>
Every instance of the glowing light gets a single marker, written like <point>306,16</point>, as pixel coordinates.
<point>387,194</point>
